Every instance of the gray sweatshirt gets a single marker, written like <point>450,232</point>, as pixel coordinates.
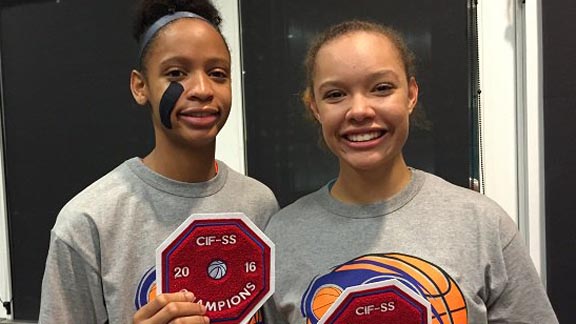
<point>100,265</point>
<point>455,247</point>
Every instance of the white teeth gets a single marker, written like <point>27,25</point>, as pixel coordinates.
<point>363,137</point>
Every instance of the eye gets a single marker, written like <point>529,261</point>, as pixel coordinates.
<point>333,95</point>
<point>175,74</point>
<point>219,75</point>
<point>383,88</point>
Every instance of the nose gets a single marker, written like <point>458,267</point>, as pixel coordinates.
<point>199,87</point>
<point>361,109</point>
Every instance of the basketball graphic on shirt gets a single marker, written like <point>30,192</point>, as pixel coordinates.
<point>257,318</point>
<point>447,302</point>
<point>146,290</point>
<point>324,298</point>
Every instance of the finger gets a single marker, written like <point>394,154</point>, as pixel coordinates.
<point>158,303</point>
<point>191,320</point>
<point>177,310</point>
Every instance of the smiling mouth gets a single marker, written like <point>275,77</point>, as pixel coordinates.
<point>199,119</point>
<point>364,137</point>
<point>198,114</point>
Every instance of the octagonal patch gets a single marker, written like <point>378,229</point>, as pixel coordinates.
<point>224,259</point>
<point>387,301</point>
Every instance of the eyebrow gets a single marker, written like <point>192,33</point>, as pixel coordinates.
<point>179,59</point>
<point>385,73</point>
<point>371,76</point>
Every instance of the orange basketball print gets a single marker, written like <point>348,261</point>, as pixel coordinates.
<point>257,318</point>
<point>424,278</point>
<point>324,298</point>
<point>441,290</point>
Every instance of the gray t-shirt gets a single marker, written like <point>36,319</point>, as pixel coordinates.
<point>100,265</point>
<point>453,246</point>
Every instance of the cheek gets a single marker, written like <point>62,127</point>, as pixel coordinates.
<point>402,129</point>
<point>329,122</point>
<point>168,102</point>
<point>397,115</point>
<point>400,119</point>
<point>330,126</point>
<point>224,94</point>
<point>330,115</point>
<point>156,96</point>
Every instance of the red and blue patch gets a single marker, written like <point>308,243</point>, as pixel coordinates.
<point>147,291</point>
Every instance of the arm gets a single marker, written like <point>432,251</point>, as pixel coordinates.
<point>71,288</point>
<point>523,298</point>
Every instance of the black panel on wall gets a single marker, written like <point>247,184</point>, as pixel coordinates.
<point>68,118</point>
<point>559,53</point>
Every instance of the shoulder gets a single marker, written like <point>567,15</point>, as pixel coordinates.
<point>248,195</point>
<point>118,181</point>
<point>443,192</point>
<point>247,187</point>
<point>465,205</point>
<point>302,208</point>
<point>93,202</point>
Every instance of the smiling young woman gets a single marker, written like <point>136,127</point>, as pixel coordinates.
<point>101,263</point>
<point>202,108</point>
<point>380,219</point>
<point>363,99</point>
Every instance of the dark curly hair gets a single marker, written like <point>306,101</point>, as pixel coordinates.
<point>149,11</point>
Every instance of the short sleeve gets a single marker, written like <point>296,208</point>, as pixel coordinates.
<point>523,298</point>
<point>71,288</point>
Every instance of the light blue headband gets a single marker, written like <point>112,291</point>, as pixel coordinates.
<point>161,23</point>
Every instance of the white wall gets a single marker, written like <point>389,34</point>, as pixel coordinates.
<point>230,141</point>
<point>510,74</point>
<point>534,228</point>
<point>498,99</point>
<point>5,283</point>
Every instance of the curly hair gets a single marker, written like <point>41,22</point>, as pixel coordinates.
<point>149,11</point>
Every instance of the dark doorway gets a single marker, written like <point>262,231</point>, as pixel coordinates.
<point>559,51</point>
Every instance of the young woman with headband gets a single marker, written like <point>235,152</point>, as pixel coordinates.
<point>100,266</point>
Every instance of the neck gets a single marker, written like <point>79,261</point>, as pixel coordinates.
<point>183,164</point>
<point>370,186</point>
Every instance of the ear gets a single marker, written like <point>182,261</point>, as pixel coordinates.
<point>412,94</point>
<point>309,103</point>
<point>138,87</point>
<point>314,110</point>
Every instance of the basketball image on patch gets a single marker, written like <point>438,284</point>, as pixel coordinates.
<point>217,269</point>
<point>224,259</point>
<point>347,285</point>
